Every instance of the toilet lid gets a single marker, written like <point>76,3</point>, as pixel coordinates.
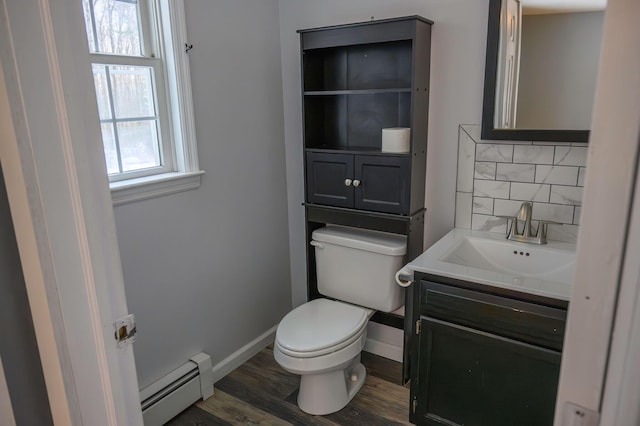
<point>320,324</point>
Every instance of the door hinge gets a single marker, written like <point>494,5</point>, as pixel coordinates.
<point>418,326</point>
<point>125,330</point>
<point>414,405</point>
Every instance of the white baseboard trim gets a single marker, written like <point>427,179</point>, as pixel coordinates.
<point>243,354</point>
<point>383,349</point>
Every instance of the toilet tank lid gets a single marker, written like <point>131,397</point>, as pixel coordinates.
<point>363,239</point>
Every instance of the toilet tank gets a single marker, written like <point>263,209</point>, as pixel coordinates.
<point>359,265</point>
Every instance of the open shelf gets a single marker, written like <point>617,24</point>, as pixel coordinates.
<point>367,151</point>
<point>356,92</point>
<point>354,121</point>
<point>358,67</point>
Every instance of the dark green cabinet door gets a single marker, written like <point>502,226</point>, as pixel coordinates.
<point>329,179</point>
<point>382,183</point>
<point>365,182</point>
<point>472,378</point>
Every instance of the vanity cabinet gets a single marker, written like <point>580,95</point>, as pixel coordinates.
<point>358,79</point>
<point>485,358</point>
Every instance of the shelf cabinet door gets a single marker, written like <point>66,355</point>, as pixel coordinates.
<point>383,183</point>
<point>472,378</point>
<point>326,176</point>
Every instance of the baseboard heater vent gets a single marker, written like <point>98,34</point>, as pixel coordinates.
<point>166,398</point>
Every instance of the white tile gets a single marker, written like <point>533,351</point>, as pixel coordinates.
<point>466,154</point>
<point>571,195</point>
<point>529,192</point>
<point>533,154</point>
<point>506,207</point>
<point>581,175</point>
<point>565,233</point>
<point>463,210</point>
<point>576,216</point>
<point>485,170</point>
<point>560,175</point>
<point>553,212</point>
<point>491,188</point>
<point>494,152</point>
<point>505,142</point>
<point>483,222</point>
<point>515,172</point>
<point>482,205</point>
<point>570,156</point>
<point>473,130</point>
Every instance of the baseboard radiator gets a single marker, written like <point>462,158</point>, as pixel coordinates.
<point>167,397</point>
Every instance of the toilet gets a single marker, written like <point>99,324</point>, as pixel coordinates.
<point>321,340</point>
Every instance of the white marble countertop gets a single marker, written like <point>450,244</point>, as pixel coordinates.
<point>436,261</point>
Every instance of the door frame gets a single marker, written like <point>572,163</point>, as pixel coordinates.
<point>60,202</point>
<point>603,255</point>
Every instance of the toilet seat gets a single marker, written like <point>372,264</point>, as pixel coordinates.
<point>320,327</point>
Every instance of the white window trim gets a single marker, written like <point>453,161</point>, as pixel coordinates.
<point>177,71</point>
<point>143,188</point>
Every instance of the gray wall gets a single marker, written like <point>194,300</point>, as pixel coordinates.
<point>457,75</point>
<point>558,70</point>
<point>208,270</point>
<point>18,346</point>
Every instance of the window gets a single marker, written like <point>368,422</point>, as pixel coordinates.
<point>143,104</point>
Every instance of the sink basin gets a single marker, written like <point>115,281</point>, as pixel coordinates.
<point>509,257</point>
<point>489,258</point>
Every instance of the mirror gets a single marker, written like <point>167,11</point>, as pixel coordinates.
<point>541,69</point>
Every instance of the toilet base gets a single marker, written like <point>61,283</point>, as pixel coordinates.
<point>329,392</point>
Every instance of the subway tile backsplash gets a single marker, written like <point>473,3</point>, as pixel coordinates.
<point>561,175</point>
<point>495,177</point>
<point>515,172</point>
<point>570,156</point>
<point>533,154</point>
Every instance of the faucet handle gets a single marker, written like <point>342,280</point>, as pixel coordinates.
<point>513,229</point>
<point>541,235</point>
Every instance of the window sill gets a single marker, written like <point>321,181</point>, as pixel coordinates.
<point>153,186</point>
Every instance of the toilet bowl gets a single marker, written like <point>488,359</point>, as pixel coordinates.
<point>322,340</point>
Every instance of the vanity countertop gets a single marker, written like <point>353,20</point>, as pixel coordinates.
<point>490,259</point>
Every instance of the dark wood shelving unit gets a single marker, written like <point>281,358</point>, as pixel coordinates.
<point>356,80</point>
<point>354,92</point>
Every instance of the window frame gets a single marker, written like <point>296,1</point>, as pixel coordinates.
<point>163,35</point>
<point>163,123</point>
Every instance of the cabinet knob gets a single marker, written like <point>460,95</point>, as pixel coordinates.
<point>347,182</point>
<point>356,183</point>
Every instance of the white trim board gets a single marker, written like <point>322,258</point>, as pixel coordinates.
<point>622,387</point>
<point>610,180</point>
<point>62,213</point>
<point>243,354</point>
<point>383,349</point>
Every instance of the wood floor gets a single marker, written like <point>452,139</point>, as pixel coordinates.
<point>262,393</point>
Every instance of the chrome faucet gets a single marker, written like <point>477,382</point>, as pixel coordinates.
<point>524,214</point>
<point>526,235</point>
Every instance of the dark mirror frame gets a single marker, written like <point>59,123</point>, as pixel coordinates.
<point>488,106</point>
